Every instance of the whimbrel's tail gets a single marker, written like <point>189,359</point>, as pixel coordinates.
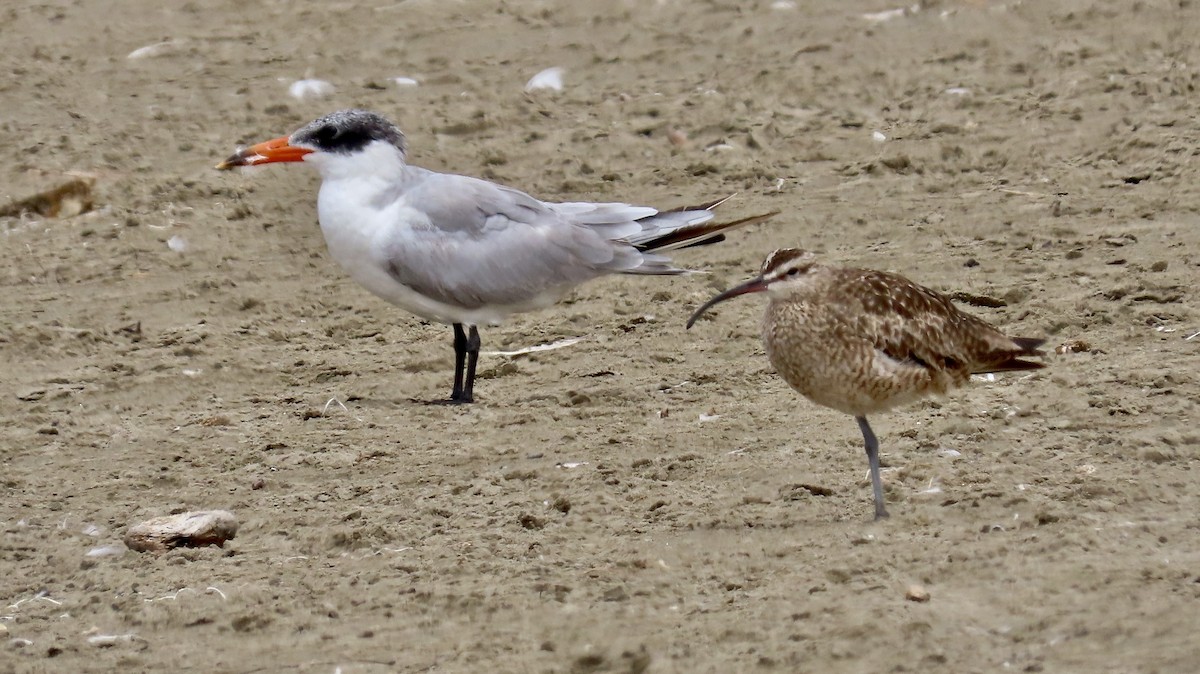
<point>1010,360</point>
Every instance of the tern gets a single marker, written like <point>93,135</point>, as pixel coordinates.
<point>464,251</point>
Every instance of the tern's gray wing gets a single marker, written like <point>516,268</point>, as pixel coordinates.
<point>471,243</point>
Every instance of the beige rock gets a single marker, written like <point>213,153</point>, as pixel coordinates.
<point>190,529</point>
<point>64,200</point>
<point>916,593</point>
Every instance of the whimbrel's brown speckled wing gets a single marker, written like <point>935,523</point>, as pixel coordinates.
<point>912,323</point>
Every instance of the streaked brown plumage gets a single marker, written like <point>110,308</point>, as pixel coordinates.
<point>862,341</point>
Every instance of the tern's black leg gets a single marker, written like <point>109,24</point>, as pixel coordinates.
<point>460,359</point>
<point>873,458</point>
<point>472,349</point>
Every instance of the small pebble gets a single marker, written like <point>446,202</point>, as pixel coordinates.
<point>1073,346</point>
<point>916,593</point>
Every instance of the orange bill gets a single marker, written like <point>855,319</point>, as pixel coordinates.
<point>266,152</point>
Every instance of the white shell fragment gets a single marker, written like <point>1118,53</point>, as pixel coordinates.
<point>888,15</point>
<point>310,89</point>
<point>878,137</point>
<point>105,551</point>
<point>405,81</point>
<point>536,348</point>
<point>178,244</point>
<point>783,5</point>
<point>958,91</point>
<point>157,49</point>
<point>550,78</point>
<point>108,640</point>
<point>190,529</point>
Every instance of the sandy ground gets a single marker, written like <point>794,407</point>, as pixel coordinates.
<point>649,499</point>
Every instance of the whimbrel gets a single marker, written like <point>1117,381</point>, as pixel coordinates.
<point>862,341</point>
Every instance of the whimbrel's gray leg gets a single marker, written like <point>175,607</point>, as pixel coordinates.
<point>872,444</point>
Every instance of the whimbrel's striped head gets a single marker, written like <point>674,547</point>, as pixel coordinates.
<point>783,270</point>
<point>787,263</point>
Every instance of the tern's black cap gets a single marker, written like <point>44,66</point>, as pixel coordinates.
<point>348,131</point>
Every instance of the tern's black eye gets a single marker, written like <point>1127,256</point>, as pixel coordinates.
<point>327,133</point>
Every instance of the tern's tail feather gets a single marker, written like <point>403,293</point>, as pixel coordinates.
<point>711,205</point>
<point>689,233</point>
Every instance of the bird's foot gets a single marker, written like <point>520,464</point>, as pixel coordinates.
<point>444,401</point>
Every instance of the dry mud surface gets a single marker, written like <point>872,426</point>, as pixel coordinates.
<point>648,499</point>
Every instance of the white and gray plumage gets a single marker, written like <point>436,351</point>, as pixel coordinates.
<point>862,341</point>
<point>464,251</point>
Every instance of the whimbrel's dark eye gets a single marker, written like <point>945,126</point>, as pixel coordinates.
<point>793,272</point>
